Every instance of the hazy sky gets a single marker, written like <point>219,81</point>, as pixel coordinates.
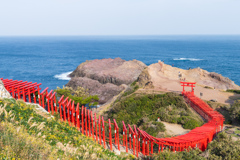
<point>119,17</point>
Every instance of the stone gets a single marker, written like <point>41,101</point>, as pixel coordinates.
<point>105,92</point>
<point>106,77</point>
<point>116,71</point>
<point>144,79</point>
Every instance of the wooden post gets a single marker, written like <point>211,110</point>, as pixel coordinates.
<point>78,118</point>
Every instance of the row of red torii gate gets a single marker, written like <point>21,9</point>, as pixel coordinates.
<point>107,133</point>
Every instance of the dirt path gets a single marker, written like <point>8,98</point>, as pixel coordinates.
<point>175,129</point>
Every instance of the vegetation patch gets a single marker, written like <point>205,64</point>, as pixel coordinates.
<point>133,87</point>
<point>24,134</point>
<point>80,95</point>
<point>144,111</point>
<point>230,113</point>
<point>233,91</point>
<point>234,111</point>
<point>223,148</point>
<point>208,87</point>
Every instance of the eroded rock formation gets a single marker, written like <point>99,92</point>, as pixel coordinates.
<point>106,77</point>
<point>156,76</point>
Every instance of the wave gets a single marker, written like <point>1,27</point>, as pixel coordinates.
<point>63,76</point>
<point>187,59</point>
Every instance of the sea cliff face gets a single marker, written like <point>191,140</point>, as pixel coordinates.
<point>106,77</point>
<point>3,92</point>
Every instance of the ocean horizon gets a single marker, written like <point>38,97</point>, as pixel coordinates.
<point>49,59</point>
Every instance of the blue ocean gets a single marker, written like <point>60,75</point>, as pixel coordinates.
<point>48,60</point>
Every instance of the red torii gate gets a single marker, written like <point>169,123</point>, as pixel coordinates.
<point>188,84</point>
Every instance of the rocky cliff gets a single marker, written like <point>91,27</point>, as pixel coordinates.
<point>116,71</point>
<point>209,86</point>
<point>106,77</point>
<point>156,73</point>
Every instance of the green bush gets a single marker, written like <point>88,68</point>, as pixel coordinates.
<point>153,128</point>
<point>192,154</point>
<point>144,110</point>
<point>134,83</point>
<point>235,111</point>
<point>191,124</point>
<point>223,147</point>
<point>233,91</point>
<point>80,95</point>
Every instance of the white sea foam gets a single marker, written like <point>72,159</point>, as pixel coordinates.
<point>63,76</point>
<point>187,59</point>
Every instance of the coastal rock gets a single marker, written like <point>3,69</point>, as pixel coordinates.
<point>105,92</point>
<point>3,92</point>
<point>226,82</point>
<point>116,71</point>
<point>162,75</point>
<point>106,77</point>
<point>144,79</point>
<point>210,79</point>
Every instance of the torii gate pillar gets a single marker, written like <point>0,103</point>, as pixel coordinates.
<point>188,84</point>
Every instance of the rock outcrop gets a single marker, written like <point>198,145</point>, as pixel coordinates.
<point>144,79</point>
<point>3,92</point>
<point>106,77</point>
<point>116,71</point>
<point>209,85</point>
<point>156,75</point>
<point>104,91</point>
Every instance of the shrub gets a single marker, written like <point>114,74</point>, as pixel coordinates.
<point>185,155</point>
<point>223,147</point>
<point>191,124</point>
<point>234,91</point>
<point>80,95</point>
<point>144,110</point>
<point>235,111</point>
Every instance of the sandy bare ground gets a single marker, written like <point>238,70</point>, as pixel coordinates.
<point>175,129</point>
<point>168,80</point>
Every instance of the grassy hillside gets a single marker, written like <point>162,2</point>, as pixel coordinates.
<point>25,134</point>
<point>144,110</point>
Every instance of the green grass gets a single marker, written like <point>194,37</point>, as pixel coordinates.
<point>208,87</point>
<point>144,110</point>
<point>233,91</point>
<point>25,134</point>
<point>237,131</point>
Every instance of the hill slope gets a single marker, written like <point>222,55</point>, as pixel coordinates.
<point>25,134</point>
<point>143,110</point>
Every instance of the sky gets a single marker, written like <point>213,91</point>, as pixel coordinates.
<point>119,17</point>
